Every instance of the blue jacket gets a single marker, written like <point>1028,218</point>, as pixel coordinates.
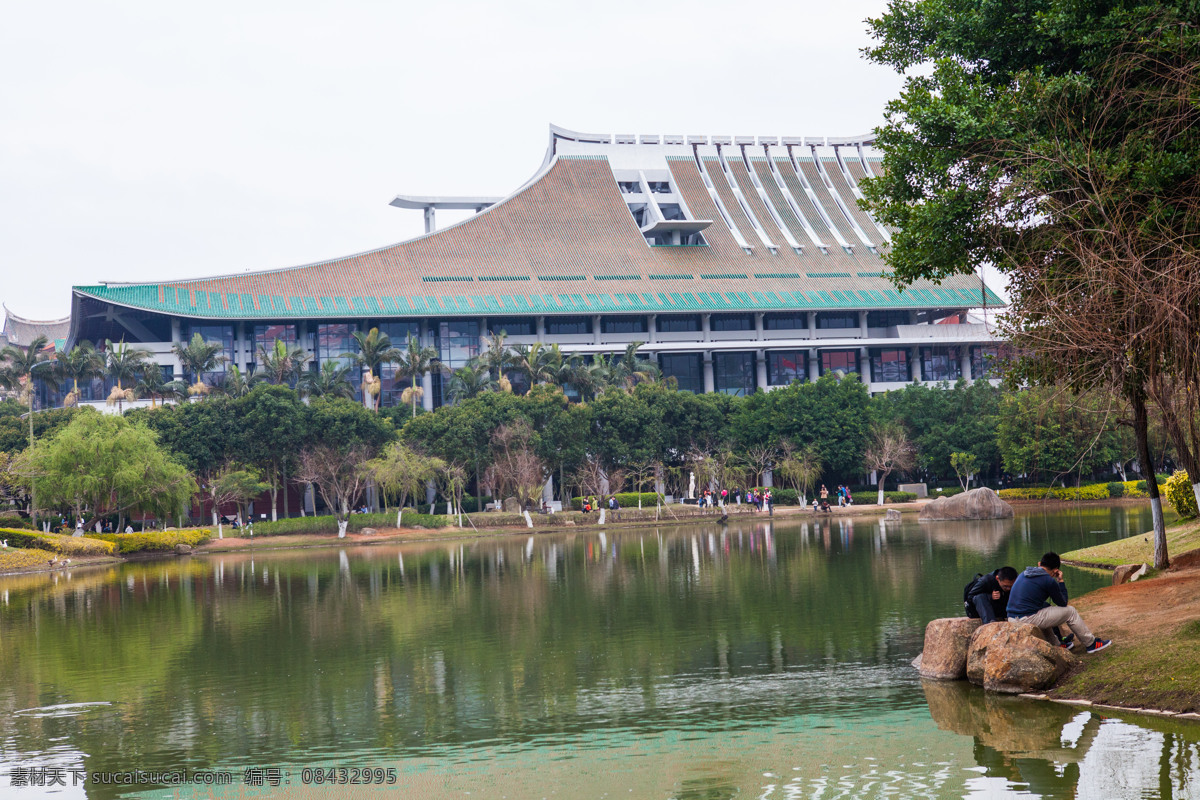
<point>1032,589</point>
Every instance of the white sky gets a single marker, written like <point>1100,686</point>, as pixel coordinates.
<point>146,141</point>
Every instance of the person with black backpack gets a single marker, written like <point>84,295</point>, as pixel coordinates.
<point>985,598</point>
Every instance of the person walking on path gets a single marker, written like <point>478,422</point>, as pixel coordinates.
<point>1027,603</point>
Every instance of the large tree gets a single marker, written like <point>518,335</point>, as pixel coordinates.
<point>1056,141</point>
<point>18,370</point>
<point>126,470</point>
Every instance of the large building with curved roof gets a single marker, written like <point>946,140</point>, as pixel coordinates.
<point>740,262</point>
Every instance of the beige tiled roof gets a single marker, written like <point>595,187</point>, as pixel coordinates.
<point>566,243</point>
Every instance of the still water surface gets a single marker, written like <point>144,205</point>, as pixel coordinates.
<point>754,660</point>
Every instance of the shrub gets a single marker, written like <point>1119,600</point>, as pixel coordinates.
<point>1178,491</point>
<point>1141,486</point>
<point>10,522</point>
<point>57,543</point>
<point>626,499</point>
<point>152,541</point>
<point>1116,489</point>
<point>871,498</point>
<point>947,491</point>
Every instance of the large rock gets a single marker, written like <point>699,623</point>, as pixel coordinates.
<point>183,549</point>
<point>512,505</point>
<point>980,503</point>
<point>1015,658</point>
<point>891,515</point>
<point>946,641</point>
<point>978,648</point>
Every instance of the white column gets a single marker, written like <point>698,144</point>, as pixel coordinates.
<point>864,367</point>
<point>427,378</point>
<point>652,329</point>
<point>814,365</point>
<point>761,357</point>
<point>241,350</point>
<point>862,324</point>
<point>430,220</point>
<point>540,330</point>
<point>596,328</point>
<point>964,360</point>
<point>758,325</point>
<point>915,352</point>
<point>812,324</point>
<point>175,330</point>
<point>705,327</point>
<point>709,383</point>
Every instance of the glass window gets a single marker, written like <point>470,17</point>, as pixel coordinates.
<point>623,324</point>
<point>513,326</point>
<point>399,332</point>
<point>786,366</point>
<point>787,321</point>
<point>686,368</point>
<point>834,360</point>
<point>827,320</point>
<point>630,187</point>
<point>639,213</point>
<point>265,336</point>
<point>678,323</point>
<point>660,187</point>
<point>985,362</point>
<point>672,211</point>
<point>940,364</point>
<point>563,326</point>
<point>733,373</point>
<point>889,365</point>
<point>457,341</point>
<point>731,322</point>
<point>886,319</point>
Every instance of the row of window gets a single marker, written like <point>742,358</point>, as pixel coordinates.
<point>735,373</point>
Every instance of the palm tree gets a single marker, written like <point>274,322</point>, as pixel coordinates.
<point>18,373</point>
<point>589,378</point>
<point>413,364</point>
<point>374,350</point>
<point>81,363</point>
<point>197,358</point>
<point>235,383</point>
<point>123,366</point>
<point>281,363</point>
<point>496,357</point>
<point>536,362</point>
<point>630,369</point>
<point>152,384</point>
<point>469,381</point>
<point>333,380</point>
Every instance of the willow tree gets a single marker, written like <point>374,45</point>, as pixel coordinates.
<point>1057,142</point>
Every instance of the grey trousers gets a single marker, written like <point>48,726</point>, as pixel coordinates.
<point>1053,616</point>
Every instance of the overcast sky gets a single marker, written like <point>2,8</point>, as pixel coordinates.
<point>146,141</point>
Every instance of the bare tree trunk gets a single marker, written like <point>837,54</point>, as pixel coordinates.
<point>1141,431</point>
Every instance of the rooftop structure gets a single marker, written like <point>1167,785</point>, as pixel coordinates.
<point>20,332</point>
<point>741,262</point>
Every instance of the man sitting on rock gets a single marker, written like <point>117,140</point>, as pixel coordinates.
<point>1027,603</point>
<point>986,598</point>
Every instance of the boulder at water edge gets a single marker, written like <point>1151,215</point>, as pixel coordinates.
<point>183,549</point>
<point>980,503</point>
<point>1015,658</point>
<point>512,505</point>
<point>891,515</point>
<point>946,641</point>
<point>1128,573</point>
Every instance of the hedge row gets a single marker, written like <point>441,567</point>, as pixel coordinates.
<point>626,499</point>
<point>328,524</point>
<point>11,521</point>
<point>872,498</point>
<point>152,541</point>
<point>57,543</point>
<point>1092,491</point>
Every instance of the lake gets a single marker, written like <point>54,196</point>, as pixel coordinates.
<point>759,659</point>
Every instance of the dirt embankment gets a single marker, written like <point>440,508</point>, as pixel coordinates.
<point>1154,661</point>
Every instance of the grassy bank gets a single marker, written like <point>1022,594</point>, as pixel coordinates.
<point>1183,542</point>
